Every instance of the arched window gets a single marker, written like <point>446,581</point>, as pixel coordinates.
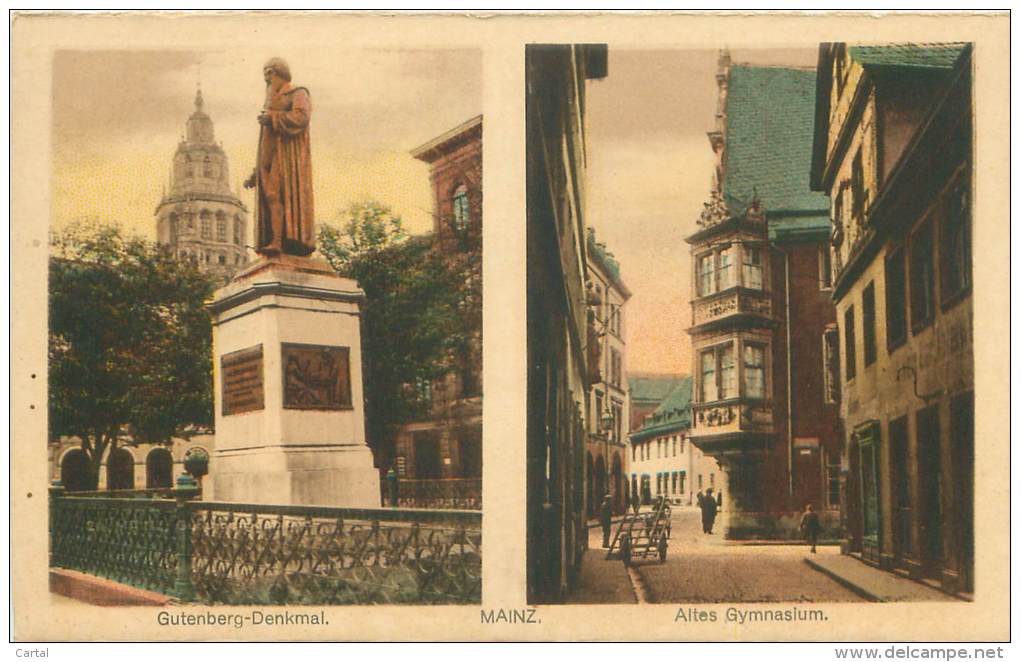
<point>120,470</point>
<point>222,259</point>
<point>461,211</point>
<point>159,468</point>
<point>238,231</point>
<point>74,471</point>
<point>221,226</point>
<point>207,169</point>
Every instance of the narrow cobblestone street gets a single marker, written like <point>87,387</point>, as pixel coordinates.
<point>703,568</point>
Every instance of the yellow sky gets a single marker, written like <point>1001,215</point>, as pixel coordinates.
<point>118,116</point>
<point>649,172</point>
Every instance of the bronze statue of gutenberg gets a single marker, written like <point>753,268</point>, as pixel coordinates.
<point>284,216</point>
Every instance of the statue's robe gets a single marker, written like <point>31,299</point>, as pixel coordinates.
<point>285,174</point>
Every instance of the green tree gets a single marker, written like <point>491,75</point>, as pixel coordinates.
<point>130,343</point>
<point>412,323</point>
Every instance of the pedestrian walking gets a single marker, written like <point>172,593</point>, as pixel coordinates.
<point>708,510</point>
<point>718,499</point>
<point>811,526</point>
<point>606,519</point>
<point>635,501</point>
<point>701,497</point>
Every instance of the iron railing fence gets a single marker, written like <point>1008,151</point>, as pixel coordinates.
<point>232,553</point>
<point>457,493</point>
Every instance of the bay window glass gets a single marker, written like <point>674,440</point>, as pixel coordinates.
<point>752,267</point>
<point>754,371</point>
<point>726,277</point>
<point>709,387</point>
<point>727,373</point>
<point>706,275</point>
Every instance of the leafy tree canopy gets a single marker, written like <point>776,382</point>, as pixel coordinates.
<point>130,342</point>
<point>413,318</point>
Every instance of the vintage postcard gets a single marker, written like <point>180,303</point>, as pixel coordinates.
<point>739,358</point>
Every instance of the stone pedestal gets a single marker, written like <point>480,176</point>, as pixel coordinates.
<point>290,425</point>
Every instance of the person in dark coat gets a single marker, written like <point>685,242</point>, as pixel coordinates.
<point>811,526</point>
<point>606,519</point>
<point>708,510</point>
<point>701,497</point>
<point>635,500</point>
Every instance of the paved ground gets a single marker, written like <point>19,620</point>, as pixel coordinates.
<point>876,585</point>
<point>703,568</point>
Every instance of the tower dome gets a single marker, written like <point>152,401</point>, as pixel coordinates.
<point>200,217</point>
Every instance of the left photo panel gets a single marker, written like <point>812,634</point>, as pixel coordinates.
<point>265,327</point>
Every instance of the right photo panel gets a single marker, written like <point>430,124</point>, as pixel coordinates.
<point>750,344</point>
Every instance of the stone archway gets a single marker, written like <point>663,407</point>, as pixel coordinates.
<point>120,470</point>
<point>74,471</point>
<point>159,469</point>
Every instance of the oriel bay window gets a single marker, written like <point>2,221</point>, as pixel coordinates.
<point>718,270</point>
<point>752,267</point>
<point>754,371</point>
<point>718,373</point>
<point>715,271</point>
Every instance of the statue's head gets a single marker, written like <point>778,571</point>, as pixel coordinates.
<point>277,66</point>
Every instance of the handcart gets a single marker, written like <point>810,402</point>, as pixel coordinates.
<point>642,535</point>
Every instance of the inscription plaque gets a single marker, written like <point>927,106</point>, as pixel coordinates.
<point>242,381</point>
<point>316,377</point>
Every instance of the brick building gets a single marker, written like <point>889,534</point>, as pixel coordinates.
<point>893,150</point>
<point>448,444</point>
<point>761,308</point>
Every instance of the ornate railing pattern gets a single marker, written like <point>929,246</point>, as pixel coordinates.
<point>228,553</point>
<point>127,540</point>
<point>459,493</point>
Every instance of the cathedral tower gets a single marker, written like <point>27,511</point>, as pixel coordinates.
<point>200,217</point>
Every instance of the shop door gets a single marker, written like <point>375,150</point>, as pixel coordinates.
<point>929,467</point>
<point>899,479</point>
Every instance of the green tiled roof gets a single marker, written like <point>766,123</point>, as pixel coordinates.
<point>651,387</point>
<point>935,56</point>
<point>770,119</point>
<point>673,414</point>
<point>812,227</point>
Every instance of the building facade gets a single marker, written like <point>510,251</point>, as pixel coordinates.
<point>893,143</point>
<point>200,217</point>
<point>608,403</point>
<point>130,467</point>
<point>559,332</point>
<point>447,444</point>
<point>761,307</point>
<point>663,462</point>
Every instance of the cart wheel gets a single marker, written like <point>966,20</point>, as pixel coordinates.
<point>625,551</point>
<point>662,549</point>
